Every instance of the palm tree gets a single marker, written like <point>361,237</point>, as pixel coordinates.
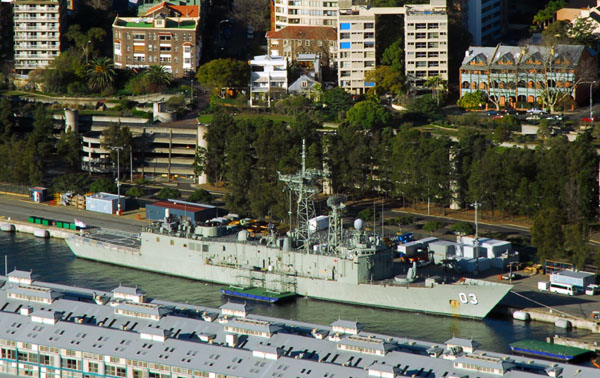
<point>437,84</point>
<point>101,74</point>
<point>157,77</point>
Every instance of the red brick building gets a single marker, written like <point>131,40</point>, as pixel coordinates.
<point>167,35</point>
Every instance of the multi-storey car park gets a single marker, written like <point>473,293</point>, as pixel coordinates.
<point>51,331</point>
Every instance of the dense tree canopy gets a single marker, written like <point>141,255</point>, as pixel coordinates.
<point>368,115</point>
<point>224,73</point>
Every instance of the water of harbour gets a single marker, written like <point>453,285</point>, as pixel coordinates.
<point>52,261</point>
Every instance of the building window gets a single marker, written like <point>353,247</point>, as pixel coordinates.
<point>165,49</point>
<point>70,363</point>
<point>93,367</point>
<point>138,37</point>
<point>307,43</point>
<point>187,49</point>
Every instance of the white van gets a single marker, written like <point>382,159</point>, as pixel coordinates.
<point>563,289</point>
<point>592,289</point>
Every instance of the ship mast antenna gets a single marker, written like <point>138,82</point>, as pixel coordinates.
<point>304,185</point>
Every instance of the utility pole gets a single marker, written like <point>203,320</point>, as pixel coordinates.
<point>131,165</point>
<point>476,206</point>
<point>118,180</point>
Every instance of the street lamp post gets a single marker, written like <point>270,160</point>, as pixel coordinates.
<point>118,181</point>
<point>86,49</point>
<point>591,101</point>
<point>591,83</point>
<point>192,91</point>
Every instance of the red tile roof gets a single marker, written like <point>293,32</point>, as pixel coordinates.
<point>304,32</point>
<point>183,10</point>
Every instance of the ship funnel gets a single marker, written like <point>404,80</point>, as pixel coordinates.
<point>358,224</point>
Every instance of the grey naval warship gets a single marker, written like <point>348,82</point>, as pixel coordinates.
<point>341,265</point>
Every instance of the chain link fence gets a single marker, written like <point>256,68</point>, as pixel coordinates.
<point>14,188</point>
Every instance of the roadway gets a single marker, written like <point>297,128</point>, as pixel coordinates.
<point>21,208</point>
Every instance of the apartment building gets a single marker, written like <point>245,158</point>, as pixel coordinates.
<point>425,42</point>
<point>268,79</point>
<point>484,19</point>
<point>305,13</point>
<point>516,75</point>
<point>38,26</point>
<point>167,35</point>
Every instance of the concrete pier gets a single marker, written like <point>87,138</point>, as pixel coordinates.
<point>549,316</point>
<point>34,229</point>
<point>590,342</point>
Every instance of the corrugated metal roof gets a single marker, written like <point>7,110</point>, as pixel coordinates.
<point>178,206</point>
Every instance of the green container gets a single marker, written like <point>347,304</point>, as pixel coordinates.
<point>31,219</point>
<point>72,226</point>
<point>45,222</point>
<point>66,225</point>
<point>38,221</point>
<point>59,224</point>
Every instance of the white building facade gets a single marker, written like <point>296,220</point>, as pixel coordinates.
<point>268,79</point>
<point>305,12</point>
<point>38,25</point>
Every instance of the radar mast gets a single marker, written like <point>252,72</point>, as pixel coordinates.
<point>304,185</point>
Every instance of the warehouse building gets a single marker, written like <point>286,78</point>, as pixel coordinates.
<point>192,211</point>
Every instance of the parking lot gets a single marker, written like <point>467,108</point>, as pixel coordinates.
<point>526,295</point>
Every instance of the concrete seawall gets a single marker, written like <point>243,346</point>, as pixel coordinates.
<point>549,316</point>
<point>36,229</point>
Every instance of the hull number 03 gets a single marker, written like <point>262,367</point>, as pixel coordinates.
<point>467,298</point>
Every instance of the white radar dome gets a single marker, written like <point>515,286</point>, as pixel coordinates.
<point>358,224</point>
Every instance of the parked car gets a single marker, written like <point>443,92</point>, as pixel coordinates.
<point>533,118</point>
<point>589,119</point>
<point>536,111</point>
<point>511,276</point>
<point>555,117</point>
<point>592,289</point>
<point>492,113</point>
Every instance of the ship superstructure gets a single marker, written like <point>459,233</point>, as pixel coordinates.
<point>346,265</point>
<point>52,330</point>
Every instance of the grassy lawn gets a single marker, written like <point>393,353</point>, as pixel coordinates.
<point>207,118</point>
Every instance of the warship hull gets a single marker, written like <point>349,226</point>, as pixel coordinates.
<point>317,276</point>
